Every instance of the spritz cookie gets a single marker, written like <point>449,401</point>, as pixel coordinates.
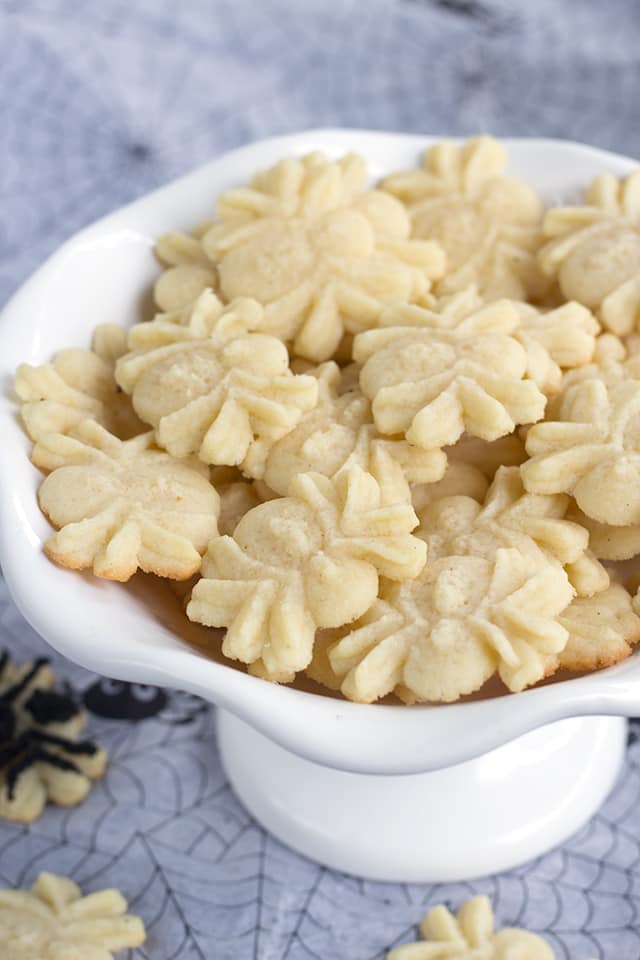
<point>339,433</point>
<point>464,618</point>
<point>594,250</point>
<point>511,517</point>
<point>77,384</point>
<point>602,630</point>
<point>42,757</point>
<point>322,253</point>
<point>308,560</point>
<point>471,935</point>
<point>591,451</point>
<point>431,384</point>
<point>487,223</point>
<point>227,396</point>
<point>120,506</point>
<point>53,921</point>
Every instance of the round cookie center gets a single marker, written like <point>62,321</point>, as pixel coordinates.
<point>280,533</point>
<point>600,264</point>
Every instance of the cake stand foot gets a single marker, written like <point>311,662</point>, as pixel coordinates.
<point>474,819</point>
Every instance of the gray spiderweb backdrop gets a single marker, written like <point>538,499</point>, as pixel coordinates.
<point>100,103</point>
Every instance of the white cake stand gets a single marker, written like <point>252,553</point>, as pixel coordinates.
<point>388,792</point>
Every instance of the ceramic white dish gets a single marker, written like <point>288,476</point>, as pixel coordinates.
<point>397,793</point>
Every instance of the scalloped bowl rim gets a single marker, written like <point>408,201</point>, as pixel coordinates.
<point>77,615</point>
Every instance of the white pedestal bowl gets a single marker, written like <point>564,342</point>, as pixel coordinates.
<point>388,792</point>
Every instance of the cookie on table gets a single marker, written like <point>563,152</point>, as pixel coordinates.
<point>322,253</point>
<point>41,756</point>
<point>53,921</point>
<point>593,250</point>
<point>226,395</point>
<point>77,384</point>
<point>298,563</point>
<point>488,223</point>
<point>471,935</point>
<point>464,618</point>
<point>339,433</point>
<point>431,384</point>
<point>591,450</point>
<point>120,506</point>
<point>603,630</point>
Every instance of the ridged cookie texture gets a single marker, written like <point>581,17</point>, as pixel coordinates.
<point>77,384</point>
<point>594,251</point>
<point>213,389</point>
<point>431,384</point>
<point>471,935</point>
<point>323,254</point>
<point>509,516</point>
<point>592,451</point>
<point>464,618</point>
<point>339,433</point>
<point>53,921</point>
<point>487,223</point>
<point>297,563</point>
<point>120,506</point>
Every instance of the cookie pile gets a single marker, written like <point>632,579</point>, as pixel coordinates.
<point>393,432</point>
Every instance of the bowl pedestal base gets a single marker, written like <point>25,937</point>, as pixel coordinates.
<point>479,817</point>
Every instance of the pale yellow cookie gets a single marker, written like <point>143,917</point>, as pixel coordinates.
<point>53,921</point>
<point>432,385</point>
<point>592,451</point>
<point>602,630</point>
<point>511,517</point>
<point>594,251</point>
<point>322,253</point>
<point>610,543</point>
<point>119,506</point>
<point>470,935</point>
<point>207,316</point>
<point>555,340</point>
<point>227,395</point>
<point>308,560</point>
<point>77,384</point>
<point>487,223</point>
<point>42,758</point>
<point>339,433</point>
<point>189,270</point>
<point>444,634</point>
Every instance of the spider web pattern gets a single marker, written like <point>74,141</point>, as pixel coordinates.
<point>210,884</point>
<point>100,103</point>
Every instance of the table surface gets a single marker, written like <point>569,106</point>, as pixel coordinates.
<point>98,104</point>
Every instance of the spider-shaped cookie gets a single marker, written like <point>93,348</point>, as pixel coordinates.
<point>304,561</point>
<point>511,517</point>
<point>431,383</point>
<point>594,250</point>
<point>321,253</point>
<point>592,450</point>
<point>77,384</point>
<point>487,223</point>
<point>602,629</point>
<point>53,921</point>
<point>470,935</point>
<point>445,633</point>
<point>210,387</point>
<point>123,505</point>
<point>41,757</point>
<point>339,433</point>
<point>555,340</point>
